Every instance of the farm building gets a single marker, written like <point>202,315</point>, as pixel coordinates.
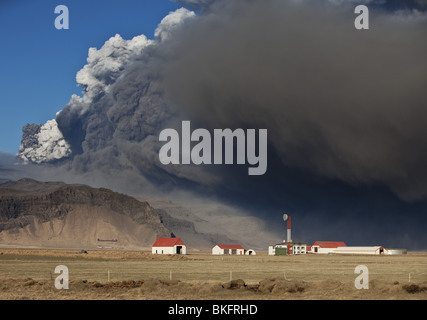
<point>326,246</point>
<point>169,246</point>
<point>282,249</point>
<point>278,249</point>
<point>228,249</point>
<point>370,250</point>
<point>250,252</point>
<point>396,251</point>
<point>299,248</point>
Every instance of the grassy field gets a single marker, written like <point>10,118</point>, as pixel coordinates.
<point>98,274</point>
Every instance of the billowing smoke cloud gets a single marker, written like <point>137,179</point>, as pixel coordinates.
<point>43,143</point>
<point>115,124</point>
<point>338,102</point>
<point>341,103</point>
<point>105,66</point>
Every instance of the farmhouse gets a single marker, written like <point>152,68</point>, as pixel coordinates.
<point>299,248</point>
<point>326,247</point>
<point>228,249</point>
<point>169,246</point>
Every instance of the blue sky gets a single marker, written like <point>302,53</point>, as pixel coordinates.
<point>38,63</point>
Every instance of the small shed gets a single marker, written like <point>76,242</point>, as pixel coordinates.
<point>250,252</point>
<point>326,247</point>
<point>169,246</point>
<point>228,249</point>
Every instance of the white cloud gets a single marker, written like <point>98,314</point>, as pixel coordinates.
<point>105,66</point>
<point>171,21</point>
<point>51,145</point>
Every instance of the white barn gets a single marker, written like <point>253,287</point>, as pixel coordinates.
<point>325,247</point>
<point>370,250</point>
<point>169,246</point>
<point>228,249</point>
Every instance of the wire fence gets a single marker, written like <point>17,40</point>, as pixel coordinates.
<point>112,274</point>
<point>250,277</point>
<point>251,270</point>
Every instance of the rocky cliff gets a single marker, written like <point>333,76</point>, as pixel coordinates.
<point>55,214</point>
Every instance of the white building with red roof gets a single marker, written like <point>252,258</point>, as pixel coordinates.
<point>169,246</point>
<point>326,246</point>
<point>228,249</point>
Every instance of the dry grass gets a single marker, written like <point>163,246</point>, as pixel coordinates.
<point>29,274</point>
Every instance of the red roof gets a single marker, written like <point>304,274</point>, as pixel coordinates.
<point>168,242</point>
<point>329,244</point>
<point>230,246</point>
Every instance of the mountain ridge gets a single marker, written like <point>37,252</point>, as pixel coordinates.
<point>57,214</point>
<point>54,213</point>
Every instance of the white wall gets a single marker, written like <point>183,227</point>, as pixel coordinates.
<point>217,250</point>
<point>321,250</point>
<point>183,249</point>
<point>298,248</point>
<point>168,250</point>
<point>163,250</point>
<point>375,250</point>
